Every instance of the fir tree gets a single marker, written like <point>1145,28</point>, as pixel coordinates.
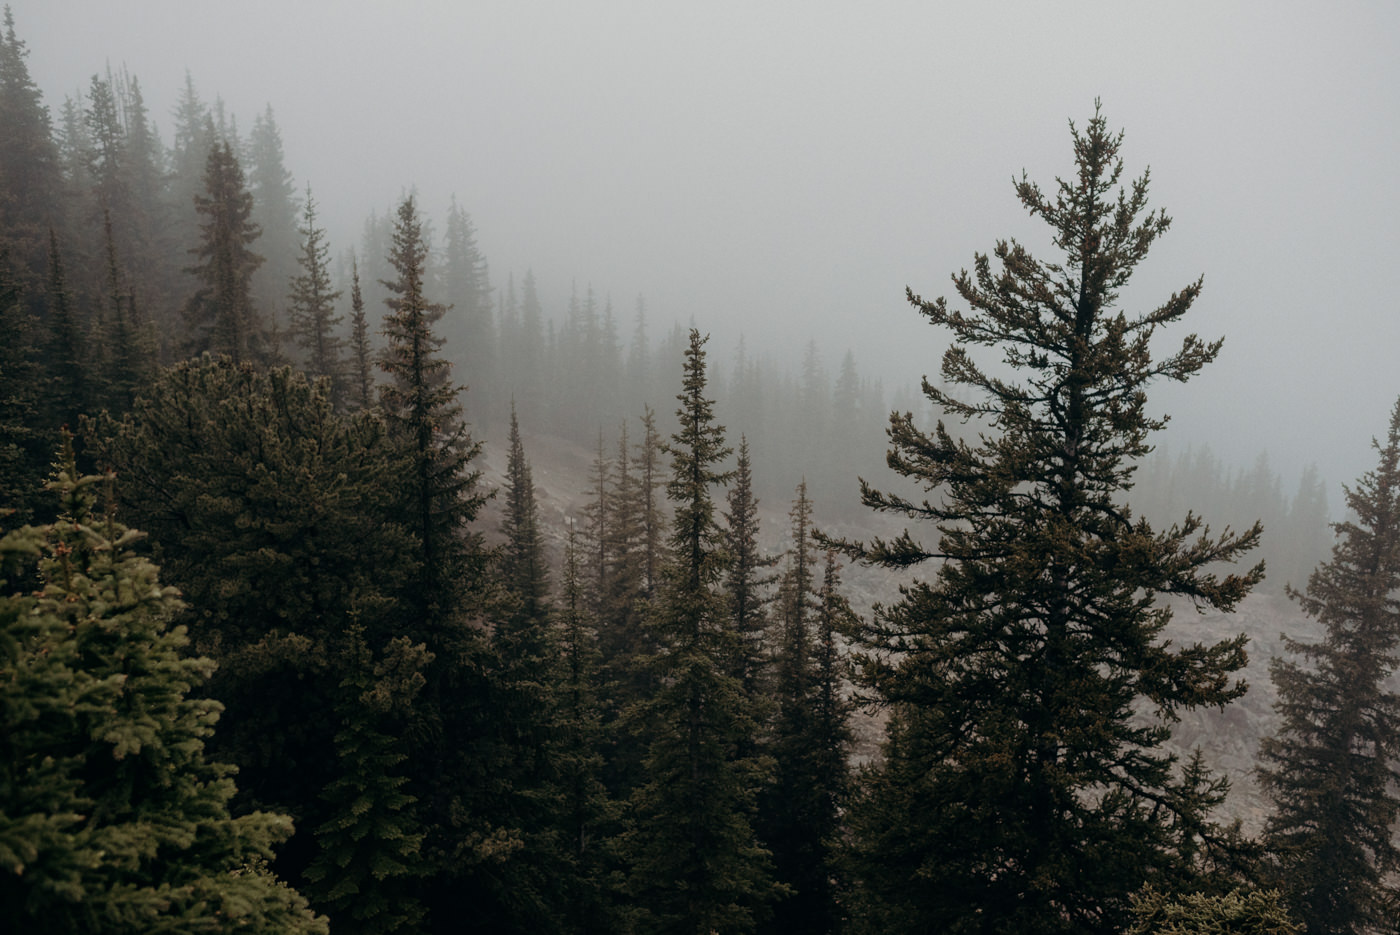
<point>1018,790</point>
<point>361,358</point>
<point>1331,769</point>
<point>746,579</point>
<point>696,864</point>
<point>111,817</point>
<point>30,173</point>
<point>421,405</point>
<point>311,317</point>
<point>220,316</point>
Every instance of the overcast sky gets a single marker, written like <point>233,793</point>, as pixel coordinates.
<point>784,170</point>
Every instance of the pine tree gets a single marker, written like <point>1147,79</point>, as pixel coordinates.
<point>275,213</point>
<point>420,403</point>
<point>64,354</point>
<point>369,843</point>
<point>696,864</point>
<point>1018,790</point>
<point>802,805</point>
<point>1332,768</point>
<point>111,817</point>
<point>1241,911</point>
<point>746,580</point>
<point>589,816</point>
<point>311,316</point>
<point>30,173</point>
<point>466,286</point>
<point>220,316</point>
<point>361,357</point>
<point>270,512</point>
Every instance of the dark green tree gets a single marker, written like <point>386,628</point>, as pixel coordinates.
<point>361,355</point>
<point>30,171</point>
<point>275,212</point>
<point>311,315</point>
<point>524,564</point>
<point>112,819</point>
<point>25,436</point>
<point>697,866</point>
<point>272,513</point>
<point>801,806</point>
<point>1019,790</point>
<point>421,404</point>
<point>220,316</point>
<point>1331,768</point>
<point>747,581</point>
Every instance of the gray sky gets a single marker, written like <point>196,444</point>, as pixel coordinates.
<point>785,169</point>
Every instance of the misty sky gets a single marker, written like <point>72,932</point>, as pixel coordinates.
<point>784,170</point>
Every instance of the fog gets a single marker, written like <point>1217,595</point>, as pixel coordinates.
<point>784,170</point>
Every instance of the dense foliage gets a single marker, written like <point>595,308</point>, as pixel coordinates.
<point>449,711</point>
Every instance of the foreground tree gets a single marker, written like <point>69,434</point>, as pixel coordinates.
<point>1019,789</point>
<point>1331,769</point>
<point>111,817</point>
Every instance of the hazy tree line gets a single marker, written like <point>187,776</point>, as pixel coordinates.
<point>355,714</point>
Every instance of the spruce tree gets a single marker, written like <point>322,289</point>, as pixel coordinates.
<point>361,356</point>
<point>747,580</point>
<point>697,866</point>
<point>311,316</point>
<point>1019,789</point>
<point>421,404</point>
<point>111,817</point>
<point>221,316</point>
<point>1331,769</point>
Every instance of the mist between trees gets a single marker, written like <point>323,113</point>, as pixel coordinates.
<point>649,729</point>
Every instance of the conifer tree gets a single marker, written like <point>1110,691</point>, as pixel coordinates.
<point>24,436</point>
<point>361,357</point>
<point>275,213</point>
<point>696,864</point>
<point>746,579</point>
<point>802,804</point>
<point>466,285</point>
<point>1018,790</point>
<point>421,404</point>
<point>220,316</point>
<point>589,816</point>
<point>1331,769</point>
<point>369,843</point>
<point>30,174</point>
<point>311,316</point>
<point>64,354</point>
<point>269,510</point>
<point>111,817</point>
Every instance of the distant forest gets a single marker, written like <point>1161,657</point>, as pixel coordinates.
<point>264,668</point>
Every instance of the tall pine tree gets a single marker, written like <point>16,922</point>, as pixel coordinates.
<point>1331,769</point>
<point>1019,790</point>
<point>697,866</point>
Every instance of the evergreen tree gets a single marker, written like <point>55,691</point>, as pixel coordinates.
<point>421,405</point>
<point>1019,790</point>
<point>270,512</point>
<point>802,805</point>
<point>111,817</point>
<point>30,173</point>
<point>746,580</point>
<point>275,213</point>
<point>589,816</point>
<point>64,354</point>
<point>24,436</point>
<point>220,316</point>
<point>1331,769</point>
<point>369,843</point>
<point>311,317</point>
<point>361,357</point>
<point>466,285</point>
<point>524,566</point>
<point>696,864</point>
